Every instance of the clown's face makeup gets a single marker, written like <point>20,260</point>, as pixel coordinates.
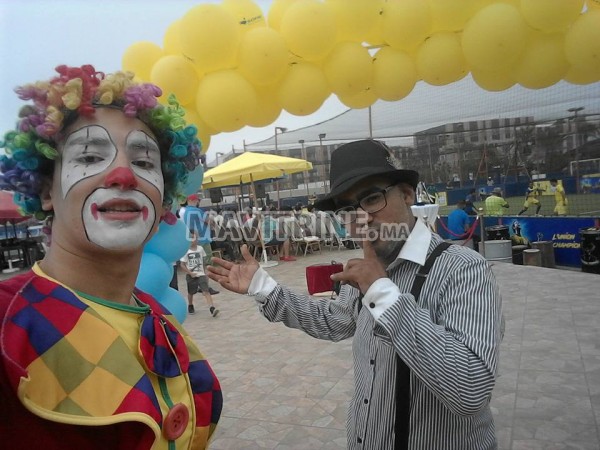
<point>90,150</point>
<point>118,219</point>
<point>108,184</point>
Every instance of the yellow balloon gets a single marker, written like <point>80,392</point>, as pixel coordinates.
<point>205,142</point>
<point>268,108</point>
<point>440,59</point>
<point>263,56</point>
<point>375,34</point>
<point>209,35</point>
<point>451,15</point>
<point>276,12</point>
<point>544,62</point>
<point>171,39</point>
<point>140,57</point>
<point>480,4</point>
<point>493,39</point>
<point>303,90</point>
<point>225,100</point>
<point>494,81</point>
<point>551,15</point>
<point>193,118</point>
<point>247,14</point>
<point>581,76</point>
<point>348,68</point>
<point>582,44</point>
<point>394,74</point>
<point>355,18</point>
<point>593,4</point>
<point>309,29</point>
<point>360,100</point>
<point>406,23</point>
<point>175,75</point>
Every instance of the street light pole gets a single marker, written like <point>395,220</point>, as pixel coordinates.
<point>431,180</point>
<point>321,137</point>
<point>277,131</point>
<point>460,137</point>
<point>303,153</point>
<point>575,111</point>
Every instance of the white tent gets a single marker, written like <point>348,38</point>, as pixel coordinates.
<point>431,106</point>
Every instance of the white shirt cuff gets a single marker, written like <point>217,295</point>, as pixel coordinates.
<point>261,284</point>
<point>382,294</point>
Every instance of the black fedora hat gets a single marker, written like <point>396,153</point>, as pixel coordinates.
<point>355,161</point>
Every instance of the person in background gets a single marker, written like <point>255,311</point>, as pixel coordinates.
<point>298,209</point>
<point>561,208</point>
<point>470,200</point>
<point>459,224</point>
<point>308,221</point>
<point>88,361</point>
<point>273,234</point>
<point>494,204</point>
<point>218,218</point>
<point>531,198</point>
<point>248,217</point>
<point>201,223</point>
<point>425,355</point>
<point>192,263</point>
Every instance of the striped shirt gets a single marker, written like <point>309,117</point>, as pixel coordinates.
<point>450,341</point>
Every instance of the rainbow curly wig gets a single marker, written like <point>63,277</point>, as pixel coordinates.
<point>78,91</point>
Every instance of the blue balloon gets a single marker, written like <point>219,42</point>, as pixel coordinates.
<point>194,181</point>
<point>170,242</point>
<point>155,274</point>
<point>175,303</point>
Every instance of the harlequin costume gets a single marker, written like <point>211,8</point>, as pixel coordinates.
<point>81,372</point>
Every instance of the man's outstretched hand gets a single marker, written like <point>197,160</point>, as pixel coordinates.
<point>232,276</point>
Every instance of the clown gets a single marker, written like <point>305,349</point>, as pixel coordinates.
<point>87,360</point>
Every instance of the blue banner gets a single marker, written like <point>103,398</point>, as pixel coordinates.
<point>564,232</point>
<point>590,184</point>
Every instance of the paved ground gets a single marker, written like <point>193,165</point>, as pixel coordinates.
<point>286,390</point>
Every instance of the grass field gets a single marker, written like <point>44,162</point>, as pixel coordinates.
<point>587,205</point>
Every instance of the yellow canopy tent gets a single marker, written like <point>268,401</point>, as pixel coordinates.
<point>250,167</point>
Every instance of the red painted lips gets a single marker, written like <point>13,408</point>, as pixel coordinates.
<point>119,209</point>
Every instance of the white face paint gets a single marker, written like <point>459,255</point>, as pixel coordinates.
<point>117,219</point>
<point>90,150</point>
<point>144,154</point>
<point>115,216</point>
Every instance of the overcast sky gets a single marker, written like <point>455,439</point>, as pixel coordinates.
<point>38,35</point>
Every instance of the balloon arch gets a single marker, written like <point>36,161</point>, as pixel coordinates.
<point>230,66</point>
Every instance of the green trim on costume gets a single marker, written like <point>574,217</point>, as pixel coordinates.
<point>167,398</point>
<point>140,308</point>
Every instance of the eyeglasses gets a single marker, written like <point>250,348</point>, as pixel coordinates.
<point>371,203</point>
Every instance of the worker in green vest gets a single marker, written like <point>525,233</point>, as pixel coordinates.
<point>494,203</point>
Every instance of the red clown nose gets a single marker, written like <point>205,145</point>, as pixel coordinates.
<point>122,177</point>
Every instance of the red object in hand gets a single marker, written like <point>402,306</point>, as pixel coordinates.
<point>318,277</point>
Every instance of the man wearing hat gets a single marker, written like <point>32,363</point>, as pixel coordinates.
<point>494,203</point>
<point>425,352</point>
